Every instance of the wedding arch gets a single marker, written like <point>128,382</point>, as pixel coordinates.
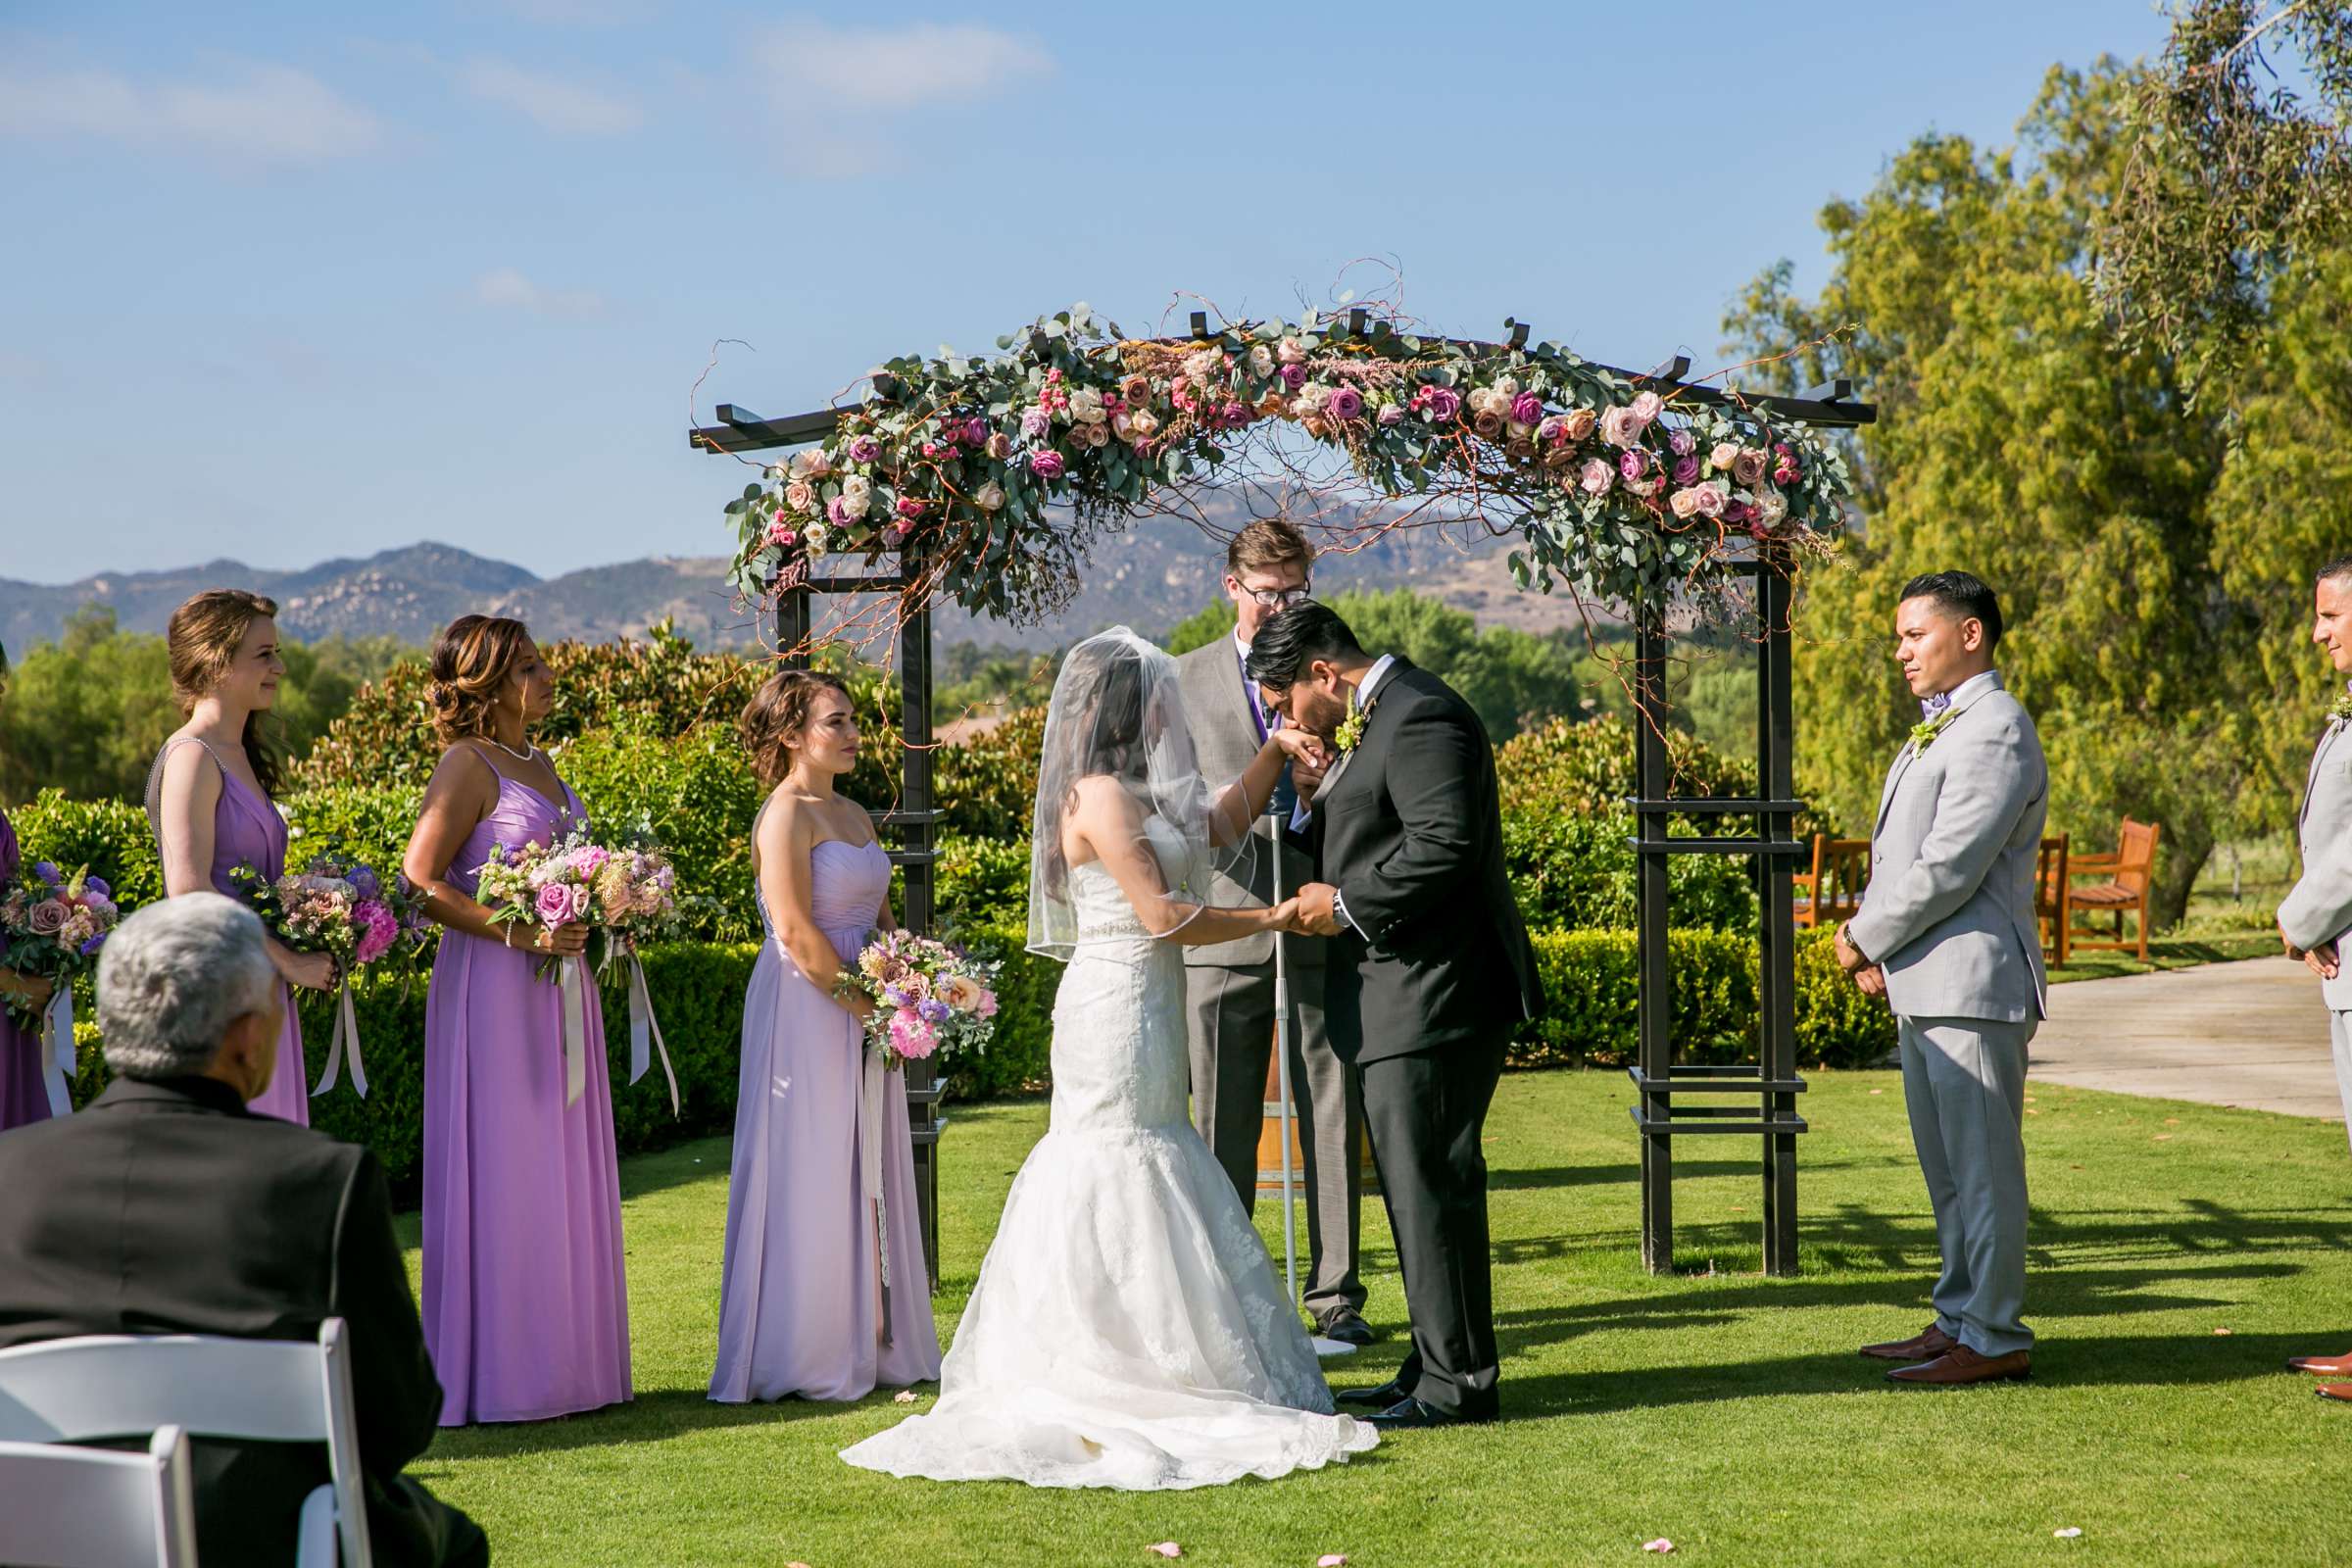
<point>988,480</point>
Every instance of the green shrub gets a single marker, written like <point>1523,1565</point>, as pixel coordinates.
<point>1574,871</point>
<point>1019,1058</point>
<point>983,882</point>
<point>110,837</point>
<point>1591,982</point>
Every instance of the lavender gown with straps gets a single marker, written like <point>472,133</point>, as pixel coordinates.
<point>23,1092</point>
<point>247,831</point>
<point>800,1308</point>
<point>526,1307</point>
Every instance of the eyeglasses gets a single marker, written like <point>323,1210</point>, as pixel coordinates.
<point>1281,598</point>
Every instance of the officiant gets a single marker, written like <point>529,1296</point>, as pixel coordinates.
<point>1228,987</point>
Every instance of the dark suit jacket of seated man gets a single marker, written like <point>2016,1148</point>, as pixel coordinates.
<point>167,1207</point>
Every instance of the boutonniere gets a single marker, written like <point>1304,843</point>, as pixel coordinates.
<point>1923,733</point>
<point>1351,728</point>
<point>2342,710</point>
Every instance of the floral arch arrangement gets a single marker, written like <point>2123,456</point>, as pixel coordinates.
<point>989,477</point>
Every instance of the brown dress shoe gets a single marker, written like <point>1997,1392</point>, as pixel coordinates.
<point>1924,1347</point>
<point>1961,1365</point>
<point>2327,1366</point>
<point>2334,1390</point>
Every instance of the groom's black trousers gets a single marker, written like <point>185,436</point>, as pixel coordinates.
<point>1425,1112</point>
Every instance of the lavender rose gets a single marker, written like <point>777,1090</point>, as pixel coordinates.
<point>46,919</point>
<point>1683,442</point>
<point>1686,469</point>
<point>1036,422</point>
<point>864,449</point>
<point>1526,409</point>
<point>1443,404</point>
<point>1346,403</point>
<point>1747,467</point>
<point>1294,376</point>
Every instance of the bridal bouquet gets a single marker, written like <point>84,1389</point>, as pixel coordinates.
<point>52,925</point>
<point>624,894</point>
<point>928,997</point>
<point>339,905</point>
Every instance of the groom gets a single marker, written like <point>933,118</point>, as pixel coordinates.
<point>1429,971</point>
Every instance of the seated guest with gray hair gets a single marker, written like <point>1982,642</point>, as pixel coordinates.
<point>168,1207</point>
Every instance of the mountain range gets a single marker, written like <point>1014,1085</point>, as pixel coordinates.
<point>1150,578</point>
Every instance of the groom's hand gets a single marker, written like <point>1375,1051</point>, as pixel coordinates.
<point>1872,981</point>
<point>1849,957</point>
<point>1317,915</point>
<point>2321,960</point>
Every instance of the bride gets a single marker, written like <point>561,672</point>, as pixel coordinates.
<point>1127,1330</point>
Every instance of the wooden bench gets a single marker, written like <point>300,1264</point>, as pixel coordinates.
<point>1831,891</point>
<point>2049,899</point>
<point>2124,882</point>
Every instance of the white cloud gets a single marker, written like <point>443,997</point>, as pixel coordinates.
<point>558,106</point>
<point>266,113</point>
<point>506,288</point>
<point>810,61</point>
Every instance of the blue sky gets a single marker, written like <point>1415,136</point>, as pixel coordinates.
<point>286,282</point>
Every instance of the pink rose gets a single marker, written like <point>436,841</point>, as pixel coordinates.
<point>1787,469</point>
<point>1036,422</point>
<point>782,533</point>
<point>909,508</point>
<point>1620,426</point>
<point>1633,463</point>
<point>1046,465</point>
<point>800,495</point>
<point>1683,443</point>
<point>554,905</point>
<point>1390,413</point>
<point>1596,477</point>
<point>1526,409</point>
<point>1439,405</point>
<point>1646,406</point>
<point>1711,499</point>
<point>1236,415</point>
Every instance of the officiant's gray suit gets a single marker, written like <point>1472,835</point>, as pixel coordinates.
<point>1949,916</point>
<point>2319,907</point>
<point>1229,989</point>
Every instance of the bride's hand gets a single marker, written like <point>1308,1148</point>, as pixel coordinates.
<point>1302,747</point>
<point>1284,916</point>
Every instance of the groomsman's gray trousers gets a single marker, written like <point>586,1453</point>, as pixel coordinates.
<point>2340,1032</point>
<point>1231,1038</point>
<point>1964,1083</point>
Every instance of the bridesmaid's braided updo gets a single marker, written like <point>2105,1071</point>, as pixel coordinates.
<point>472,662</point>
<point>776,715</point>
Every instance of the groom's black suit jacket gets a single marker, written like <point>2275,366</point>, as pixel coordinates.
<point>1411,834</point>
<point>167,1207</point>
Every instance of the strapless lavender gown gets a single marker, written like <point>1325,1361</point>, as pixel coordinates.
<point>799,1310</point>
<point>526,1309</point>
<point>248,831</point>
<point>24,1094</point>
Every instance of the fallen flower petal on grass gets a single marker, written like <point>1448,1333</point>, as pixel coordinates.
<point>2069,1533</point>
<point>903,1396</point>
<point>1332,1559</point>
<point>1166,1549</point>
<point>1661,1545</point>
<point>2221,1331</point>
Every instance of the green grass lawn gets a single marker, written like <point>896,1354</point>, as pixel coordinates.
<point>1719,1408</point>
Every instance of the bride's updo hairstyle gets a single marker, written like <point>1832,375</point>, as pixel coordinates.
<point>776,718</point>
<point>472,662</point>
<point>201,640</point>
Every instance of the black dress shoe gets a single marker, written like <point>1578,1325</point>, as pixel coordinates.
<point>1407,1415</point>
<point>1346,1325</point>
<point>1380,1398</point>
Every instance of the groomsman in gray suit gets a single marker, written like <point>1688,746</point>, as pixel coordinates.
<point>1229,986</point>
<point>1946,934</point>
<point>2318,911</point>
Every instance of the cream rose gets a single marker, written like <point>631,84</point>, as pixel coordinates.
<point>1723,455</point>
<point>1290,351</point>
<point>1142,424</point>
<point>1261,360</point>
<point>1683,503</point>
<point>856,489</point>
<point>1086,405</point>
<point>989,497</point>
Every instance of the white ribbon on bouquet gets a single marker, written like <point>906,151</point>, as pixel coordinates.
<point>869,1170</point>
<point>645,1032</point>
<point>57,1050</point>
<point>346,1039</point>
<point>574,985</point>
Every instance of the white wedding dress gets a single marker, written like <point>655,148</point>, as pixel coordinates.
<point>1127,1330</point>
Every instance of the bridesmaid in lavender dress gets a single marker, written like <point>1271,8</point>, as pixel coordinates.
<point>807,1306</point>
<point>526,1309</point>
<point>24,1093</point>
<point>209,793</point>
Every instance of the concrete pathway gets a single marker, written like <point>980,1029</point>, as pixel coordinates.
<point>2251,1034</point>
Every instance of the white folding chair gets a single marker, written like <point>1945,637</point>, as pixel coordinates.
<point>277,1391</point>
<point>65,1507</point>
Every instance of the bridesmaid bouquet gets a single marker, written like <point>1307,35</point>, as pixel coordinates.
<point>53,925</point>
<point>623,895</point>
<point>339,905</point>
<point>928,997</point>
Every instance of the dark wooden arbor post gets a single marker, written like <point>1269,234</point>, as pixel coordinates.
<point>1773,1079</point>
